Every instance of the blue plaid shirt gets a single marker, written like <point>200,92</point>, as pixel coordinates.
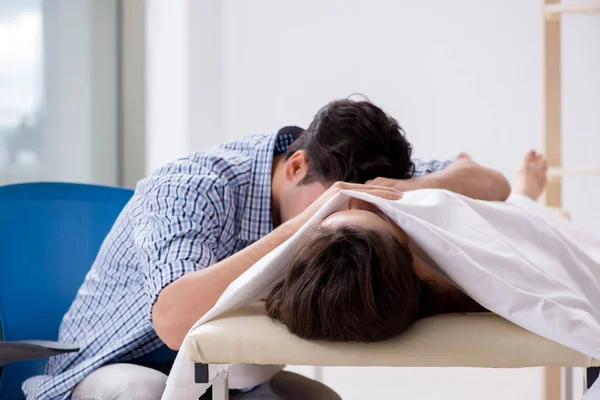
<point>186,216</point>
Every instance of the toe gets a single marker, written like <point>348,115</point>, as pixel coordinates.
<point>464,156</point>
<point>529,158</point>
<point>540,163</point>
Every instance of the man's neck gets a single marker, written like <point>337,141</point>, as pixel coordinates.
<point>276,177</point>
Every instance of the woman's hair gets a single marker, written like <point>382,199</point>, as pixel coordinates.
<point>349,284</point>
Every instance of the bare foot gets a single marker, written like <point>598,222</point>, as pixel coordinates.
<point>464,156</point>
<point>532,175</point>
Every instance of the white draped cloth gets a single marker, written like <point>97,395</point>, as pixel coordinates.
<point>516,258</point>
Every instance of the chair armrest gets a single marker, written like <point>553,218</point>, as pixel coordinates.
<point>32,349</point>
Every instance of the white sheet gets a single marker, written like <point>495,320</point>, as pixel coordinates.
<point>517,259</point>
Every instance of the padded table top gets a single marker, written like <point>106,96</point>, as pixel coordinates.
<point>247,336</point>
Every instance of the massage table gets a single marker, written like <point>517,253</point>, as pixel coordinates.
<point>248,336</point>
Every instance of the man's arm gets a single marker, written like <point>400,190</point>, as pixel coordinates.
<point>187,299</point>
<point>463,176</point>
<point>177,235</point>
<point>184,298</point>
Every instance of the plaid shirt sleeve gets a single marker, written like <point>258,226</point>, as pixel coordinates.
<point>178,227</point>
<point>424,167</point>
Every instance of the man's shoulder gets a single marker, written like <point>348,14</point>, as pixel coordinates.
<point>233,162</point>
<point>228,165</point>
<point>234,156</point>
<point>246,145</point>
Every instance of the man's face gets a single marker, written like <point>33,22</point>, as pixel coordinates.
<point>298,197</point>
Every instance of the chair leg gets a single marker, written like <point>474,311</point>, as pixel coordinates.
<point>591,375</point>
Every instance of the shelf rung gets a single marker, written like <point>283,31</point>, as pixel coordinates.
<point>555,173</point>
<point>555,10</point>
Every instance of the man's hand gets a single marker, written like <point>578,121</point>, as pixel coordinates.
<point>463,177</point>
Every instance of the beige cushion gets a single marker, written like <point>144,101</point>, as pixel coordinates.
<point>248,336</point>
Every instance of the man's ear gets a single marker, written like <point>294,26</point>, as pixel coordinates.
<point>296,167</point>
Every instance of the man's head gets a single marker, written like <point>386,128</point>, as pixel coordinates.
<point>350,141</point>
<point>350,279</point>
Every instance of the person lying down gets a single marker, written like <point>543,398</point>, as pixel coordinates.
<point>358,277</point>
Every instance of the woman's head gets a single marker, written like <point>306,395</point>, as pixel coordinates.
<point>351,280</point>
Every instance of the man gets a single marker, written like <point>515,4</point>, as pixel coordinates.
<point>197,224</point>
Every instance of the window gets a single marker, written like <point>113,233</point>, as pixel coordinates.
<point>21,90</point>
<point>59,91</point>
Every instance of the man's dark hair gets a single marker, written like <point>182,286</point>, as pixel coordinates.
<point>349,284</point>
<point>354,141</point>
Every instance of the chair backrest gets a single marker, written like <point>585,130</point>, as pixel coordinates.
<point>50,234</point>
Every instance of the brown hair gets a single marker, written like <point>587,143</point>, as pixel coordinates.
<point>354,141</point>
<point>349,284</point>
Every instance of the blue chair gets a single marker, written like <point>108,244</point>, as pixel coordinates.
<point>50,234</point>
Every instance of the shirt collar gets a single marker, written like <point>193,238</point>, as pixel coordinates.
<point>257,219</point>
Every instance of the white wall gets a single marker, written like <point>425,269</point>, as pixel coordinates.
<point>581,116</point>
<point>206,74</point>
<point>167,82</point>
<point>459,76</point>
<point>184,78</point>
